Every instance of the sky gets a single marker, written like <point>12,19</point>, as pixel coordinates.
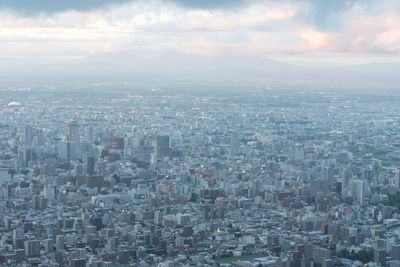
<point>305,32</point>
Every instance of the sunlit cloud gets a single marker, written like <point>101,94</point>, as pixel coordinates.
<point>251,27</point>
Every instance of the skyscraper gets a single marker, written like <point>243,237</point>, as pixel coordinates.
<point>18,238</point>
<point>396,179</point>
<point>73,135</point>
<point>360,192</point>
<point>89,164</point>
<point>395,253</point>
<point>28,137</point>
<point>380,257</point>
<point>60,242</point>
<point>48,245</point>
<point>73,132</point>
<point>32,248</point>
<point>163,147</point>
<point>298,152</point>
<point>24,156</point>
<point>89,134</point>
<point>346,176</point>
<point>234,144</point>
<point>67,150</point>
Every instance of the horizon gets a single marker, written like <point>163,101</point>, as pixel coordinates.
<point>51,40</point>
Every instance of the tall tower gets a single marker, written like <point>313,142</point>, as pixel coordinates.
<point>346,176</point>
<point>298,153</point>
<point>28,135</point>
<point>67,150</point>
<point>361,192</point>
<point>234,144</point>
<point>89,134</point>
<point>89,164</point>
<point>162,145</point>
<point>73,135</point>
<point>73,132</point>
<point>397,179</point>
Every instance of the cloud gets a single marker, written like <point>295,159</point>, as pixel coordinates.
<point>324,15</point>
<point>209,4</point>
<point>29,7</point>
<point>329,15</point>
<point>52,6</point>
<point>202,26</point>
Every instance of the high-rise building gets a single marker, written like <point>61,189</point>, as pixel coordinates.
<point>380,256</point>
<point>395,253</point>
<point>298,152</point>
<point>49,192</point>
<point>78,263</point>
<point>234,144</point>
<point>60,242</point>
<point>67,150</point>
<point>320,255</point>
<point>89,134</point>
<point>28,137</point>
<point>91,181</point>
<point>19,255</point>
<point>73,135</point>
<point>89,164</point>
<point>48,245</point>
<point>144,153</point>
<point>38,202</point>
<point>346,176</point>
<point>396,179</point>
<point>360,192</point>
<point>163,146</point>
<point>24,156</point>
<point>60,257</point>
<point>118,143</point>
<point>32,248</point>
<point>18,238</point>
<point>73,132</point>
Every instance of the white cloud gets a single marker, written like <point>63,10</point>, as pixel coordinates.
<point>264,27</point>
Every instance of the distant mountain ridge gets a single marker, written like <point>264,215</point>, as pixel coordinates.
<point>198,68</point>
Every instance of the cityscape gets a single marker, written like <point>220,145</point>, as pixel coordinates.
<point>196,133</point>
<point>169,179</point>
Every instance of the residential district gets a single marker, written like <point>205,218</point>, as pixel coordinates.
<point>235,178</point>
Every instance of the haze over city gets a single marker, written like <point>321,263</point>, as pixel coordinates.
<point>311,42</point>
<point>177,133</point>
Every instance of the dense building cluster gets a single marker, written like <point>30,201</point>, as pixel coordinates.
<point>256,178</point>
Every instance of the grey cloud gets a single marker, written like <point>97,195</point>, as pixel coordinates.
<point>209,4</point>
<point>52,6</point>
<point>325,14</point>
<point>328,15</point>
<point>30,7</point>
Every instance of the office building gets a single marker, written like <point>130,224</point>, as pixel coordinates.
<point>32,248</point>
<point>67,150</point>
<point>28,136</point>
